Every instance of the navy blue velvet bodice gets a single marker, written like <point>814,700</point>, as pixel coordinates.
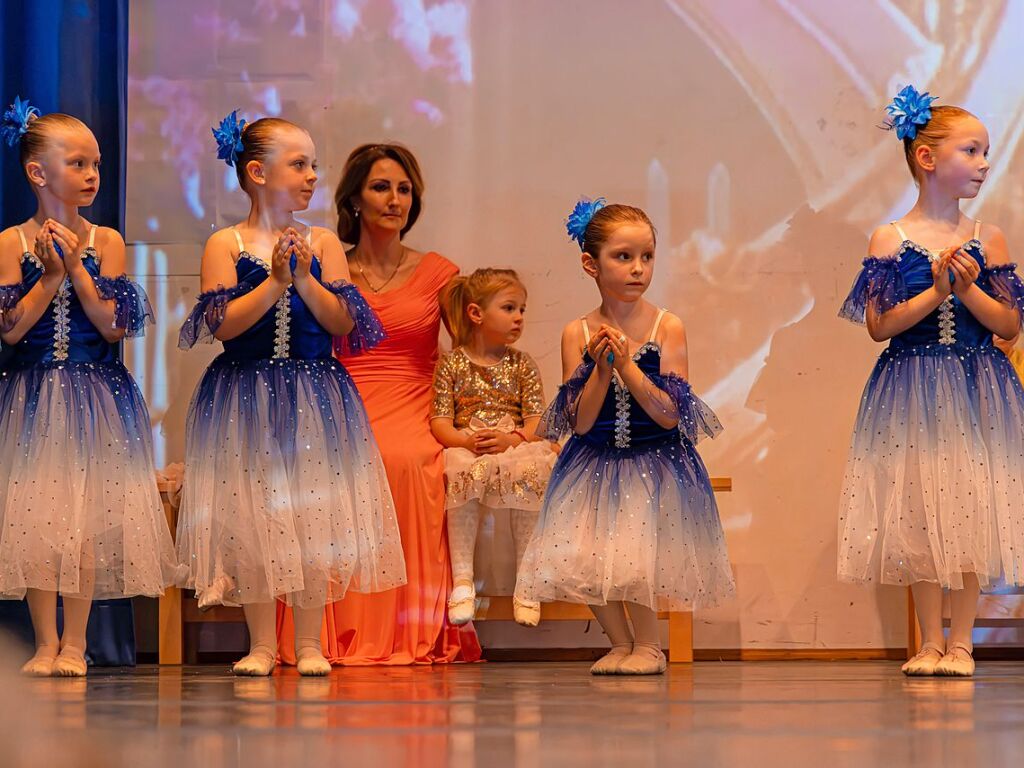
<point>622,422</point>
<point>286,330</point>
<point>951,322</point>
<point>64,332</point>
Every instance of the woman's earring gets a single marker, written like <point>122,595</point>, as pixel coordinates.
<point>356,211</point>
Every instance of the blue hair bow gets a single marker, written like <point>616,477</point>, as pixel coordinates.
<point>15,121</point>
<point>582,213</point>
<point>908,110</point>
<point>229,138</point>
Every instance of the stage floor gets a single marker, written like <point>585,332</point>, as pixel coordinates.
<point>792,714</point>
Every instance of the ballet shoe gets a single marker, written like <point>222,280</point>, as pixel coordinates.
<point>40,665</point>
<point>958,662</point>
<point>311,663</point>
<point>70,662</point>
<point>644,660</point>
<point>609,663</point>
<point>259,662</point>
<point>213,595</point>
<point>924,661</point>
<point>526,612</point>
<point>462,605</point>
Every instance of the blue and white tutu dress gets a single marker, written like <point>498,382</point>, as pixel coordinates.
<point>629,512</point>
<point>933,485</point>
<point>80,513</point>
<point>285,494</point>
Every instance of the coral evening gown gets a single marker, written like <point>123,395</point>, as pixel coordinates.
<point>406,625</point>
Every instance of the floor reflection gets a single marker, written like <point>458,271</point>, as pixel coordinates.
<point>763,713</point>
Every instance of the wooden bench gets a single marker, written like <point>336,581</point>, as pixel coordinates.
<point>180,617</point>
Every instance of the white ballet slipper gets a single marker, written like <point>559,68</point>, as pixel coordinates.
<point>462,605</point>
<point>526,612</point>
<point>311,663</point>
<point>644,660</point>
<point>609,663</point>
<point>924,661</point>
<point>260,662</point>
<point>214,594</point>
<point>958,662</point>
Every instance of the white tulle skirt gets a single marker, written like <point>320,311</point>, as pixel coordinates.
<point>639,525</point>
<point>80,513</point>
<point>285,494</point>
<point>934,485</point>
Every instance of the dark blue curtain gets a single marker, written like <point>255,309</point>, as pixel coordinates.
<point>71,56</point>
<point>68,56</point>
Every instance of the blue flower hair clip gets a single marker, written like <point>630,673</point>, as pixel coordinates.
<point>582,213</point>
<point>16,119</point>
<point>907,111</point>
<point>229,138</point>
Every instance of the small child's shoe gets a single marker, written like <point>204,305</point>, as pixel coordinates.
<point>214,594</point>
<point>311,662</point>
<point>924,661</point>
<point>526,612</point>
<point>609,663</point>
<point>644,660</point>
<point>462,605</point>
<point>40,665</point>
<point>259,662</point>
<point>958,662</point>
<point>70,662</point>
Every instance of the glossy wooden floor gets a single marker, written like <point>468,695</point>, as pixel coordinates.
<point>828,714</point>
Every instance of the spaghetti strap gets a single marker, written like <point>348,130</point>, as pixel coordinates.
<point>977,230</point>
<point>238,239</point>
<point>657,322</point>
<point>92,237</point>
<point>586,330</point>
<point>24,242</point>
<point>899,229</point>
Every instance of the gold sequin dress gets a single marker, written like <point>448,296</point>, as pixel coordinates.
<point>500,396</point>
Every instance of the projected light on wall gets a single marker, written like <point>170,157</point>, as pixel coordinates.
<point>747,130</point>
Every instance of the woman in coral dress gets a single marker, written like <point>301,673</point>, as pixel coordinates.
<point>379,199</point>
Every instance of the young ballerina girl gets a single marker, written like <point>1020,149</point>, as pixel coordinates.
<point>285,496</point>
<point>488,400</point>
<point>930,495</point>
<point>80,513</point>
<point>629,520</point>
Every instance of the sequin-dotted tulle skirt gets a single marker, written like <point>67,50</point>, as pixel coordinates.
<point>80,513</point>
<point>513,479</point>
<point>285,494</point>
<point>639,525</point>
<point>934,484</point>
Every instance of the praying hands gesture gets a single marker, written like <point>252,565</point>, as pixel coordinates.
<point>45,249</point>
<point>280,260</point>
<point>966,270</point>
